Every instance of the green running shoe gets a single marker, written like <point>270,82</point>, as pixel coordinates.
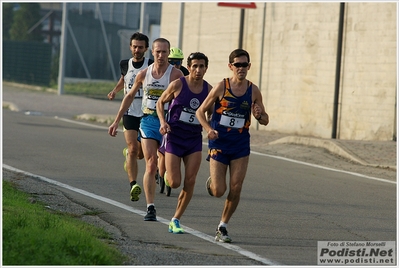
<point>135,192</point>
<point>174,227</point>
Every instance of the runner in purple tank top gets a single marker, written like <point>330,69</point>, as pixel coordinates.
<point>183,132</point>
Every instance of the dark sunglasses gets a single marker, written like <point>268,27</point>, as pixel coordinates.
<point>241,64</point>
<point>175,62</point>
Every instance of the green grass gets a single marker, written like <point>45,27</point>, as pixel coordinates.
<point>33,235</point>
<point>96,90</point>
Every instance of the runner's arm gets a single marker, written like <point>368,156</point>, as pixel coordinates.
<point>168,95</point>
<point>118,87</point>
<point>206,106</point>
<point>258,109</point>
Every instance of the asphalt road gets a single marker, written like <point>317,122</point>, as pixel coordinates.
<point>285,208</point>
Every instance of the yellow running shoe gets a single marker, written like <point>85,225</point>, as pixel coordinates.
<point>135,192</point>
<point>166,181</point>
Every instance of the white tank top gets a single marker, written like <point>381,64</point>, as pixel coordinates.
<point>135,107</point>
<point>153,89</point>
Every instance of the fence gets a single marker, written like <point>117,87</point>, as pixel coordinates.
<point>27,62</point>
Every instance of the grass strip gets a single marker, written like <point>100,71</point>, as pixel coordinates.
<point>95,90</point>
<point>33,235</point>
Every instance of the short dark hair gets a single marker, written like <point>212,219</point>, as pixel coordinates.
<point>238,53</point>
<point>140,37</point>
<point>161,40</point>
<point>197,56</point>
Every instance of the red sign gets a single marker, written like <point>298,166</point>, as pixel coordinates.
<point>238,4</point>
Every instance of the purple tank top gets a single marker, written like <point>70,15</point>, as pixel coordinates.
<point>181,115</point>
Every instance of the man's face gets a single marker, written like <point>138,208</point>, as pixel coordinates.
<point>160,51</point>
<point>197,69</point>
<point>137,47</point>
<point>240,67</point>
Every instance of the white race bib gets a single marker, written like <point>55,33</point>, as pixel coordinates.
<point>233,122</point>
<point>152,103</point>
<point>188,118</point>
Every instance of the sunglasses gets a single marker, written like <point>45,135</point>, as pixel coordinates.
<point>241,64</point>
<point>175,62</point>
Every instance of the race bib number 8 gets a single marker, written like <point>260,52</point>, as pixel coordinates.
<point>233,122</point>
<point>189,118</point>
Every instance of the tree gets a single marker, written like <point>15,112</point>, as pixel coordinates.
<point>25,18</point>
<point>8,14</point>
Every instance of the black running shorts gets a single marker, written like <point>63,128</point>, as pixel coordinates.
<point>131,122</point>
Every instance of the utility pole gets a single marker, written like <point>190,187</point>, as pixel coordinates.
<point>61,70</point>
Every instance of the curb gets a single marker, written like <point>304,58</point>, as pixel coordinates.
<point>100,118</point>
<point>32,87</point>
<point>328,145</point>
<point>11,106</point>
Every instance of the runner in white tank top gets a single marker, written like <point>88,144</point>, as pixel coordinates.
<point>153,89</point>
<point>148,126</point>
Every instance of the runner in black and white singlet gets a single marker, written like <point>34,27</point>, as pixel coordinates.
<point>131,119</point>
<point>130,69</point>
<point>183,132</point>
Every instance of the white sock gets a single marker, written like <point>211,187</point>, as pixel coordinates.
<point>222,224</point>
<point>152,204</point>
<point>175,219</point>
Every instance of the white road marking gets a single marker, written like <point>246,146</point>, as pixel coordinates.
<point>326,168</point>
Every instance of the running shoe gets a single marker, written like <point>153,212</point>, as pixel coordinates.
<point>174,227</point>
<point>125,152</point>
<point>157,177</point>
<point>208,186</point>
<point>125,155</point>
<point>135,191</point>
<point>166,181</point>
<point>151,214</point>
<point>168,188</point>
<point>222,236</point>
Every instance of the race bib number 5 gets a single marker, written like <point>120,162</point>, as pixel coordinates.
<point>189,118</point>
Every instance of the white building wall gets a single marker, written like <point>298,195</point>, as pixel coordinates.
<point>297,78</point>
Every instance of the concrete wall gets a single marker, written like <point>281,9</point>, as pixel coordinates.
<point>369,72</point>
<point>293,48</point>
